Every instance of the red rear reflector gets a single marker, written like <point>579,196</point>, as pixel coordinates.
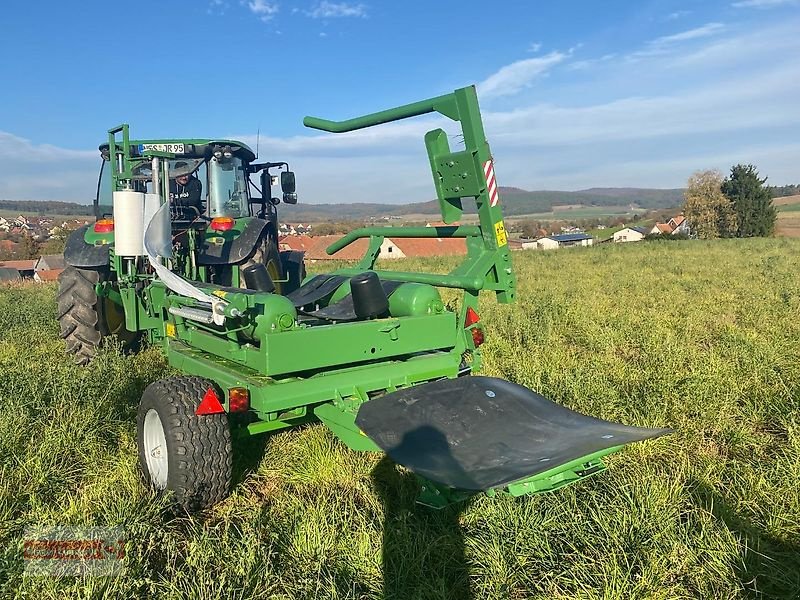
<point>104,226</point>
<point>238,400</point>
<point>210,405</point>
<point>471,318</point>
<point>477,336</point>
<point>222,223</point>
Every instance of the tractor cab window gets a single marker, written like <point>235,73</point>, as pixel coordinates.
<point>227,182</point>
<point>104,206</point>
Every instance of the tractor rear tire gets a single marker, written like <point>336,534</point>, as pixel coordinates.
<point>180,452</point>
<point>86,319</point>
<point>267,254</point>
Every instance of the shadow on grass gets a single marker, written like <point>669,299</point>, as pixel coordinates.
<point>248,452</point>
<point>769,566</point>
<point>423,548</point>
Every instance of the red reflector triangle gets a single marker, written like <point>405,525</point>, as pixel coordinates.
<point>210,405</point>
<point>471,318</point>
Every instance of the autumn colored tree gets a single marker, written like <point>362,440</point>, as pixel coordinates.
<point>709,212</point>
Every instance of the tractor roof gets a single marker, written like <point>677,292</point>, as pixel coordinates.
<point>192,148</point>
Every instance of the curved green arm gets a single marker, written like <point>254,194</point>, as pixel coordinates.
<point>462,231</point>
<point>442,104</point>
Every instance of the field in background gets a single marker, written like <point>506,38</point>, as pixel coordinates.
<point>702,337</point>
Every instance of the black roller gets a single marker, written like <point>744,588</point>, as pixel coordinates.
<point>369,298</point>
<point>256,277</point>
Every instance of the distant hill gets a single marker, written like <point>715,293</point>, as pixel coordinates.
<point>515,202</point>
<point>44,207</point>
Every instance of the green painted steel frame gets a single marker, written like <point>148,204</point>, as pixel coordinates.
<point>456,175</point>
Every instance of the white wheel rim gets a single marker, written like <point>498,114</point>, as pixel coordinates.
<point>155,449</point>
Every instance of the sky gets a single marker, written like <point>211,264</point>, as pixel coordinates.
<point>574,94</point>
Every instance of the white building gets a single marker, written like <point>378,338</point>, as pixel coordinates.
<point>565,240</point>
<point>630,234</point>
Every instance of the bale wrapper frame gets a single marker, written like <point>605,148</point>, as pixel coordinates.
<point>373,354</point>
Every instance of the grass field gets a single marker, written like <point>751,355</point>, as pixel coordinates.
<point>703,337</point>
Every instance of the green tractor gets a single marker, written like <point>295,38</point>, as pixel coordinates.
<point>374,354</point>
<point>233,224</point>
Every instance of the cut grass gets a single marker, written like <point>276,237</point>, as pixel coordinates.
<point>702,337</point>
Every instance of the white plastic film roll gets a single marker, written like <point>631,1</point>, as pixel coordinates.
<point>129,223</point>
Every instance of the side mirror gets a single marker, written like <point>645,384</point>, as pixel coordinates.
<point>288,183</point>
<point>290,198</point>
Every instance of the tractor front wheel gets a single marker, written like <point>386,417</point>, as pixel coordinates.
<point>87,318</point>
<point>180,452</point>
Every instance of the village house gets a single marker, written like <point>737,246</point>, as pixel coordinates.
<point>25,268</point>
<point>631,234</point>
<point>315,247</point>
<point>675,226</point>
<point>679,225</point>
<point>563,240</point>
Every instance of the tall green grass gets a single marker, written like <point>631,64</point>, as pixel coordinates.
<point>703,337</point>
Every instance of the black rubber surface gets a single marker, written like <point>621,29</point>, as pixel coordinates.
<point>343,310</point>
<point>315,290</point>
<point>478,433</point>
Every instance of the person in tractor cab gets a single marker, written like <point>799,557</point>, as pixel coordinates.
<point>185,193</point>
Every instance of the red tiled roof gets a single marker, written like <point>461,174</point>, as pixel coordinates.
<point>354,251</point>
<point>678,220</point>
<point>431,246</point>
<point>19,265</point>
<point>296,242</point>
<point>49,274</point>
<point>664,227</point>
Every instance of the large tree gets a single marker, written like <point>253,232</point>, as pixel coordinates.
<point>752,201</point>
<point>709,212</point>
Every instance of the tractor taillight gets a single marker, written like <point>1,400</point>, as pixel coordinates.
<point>104,226</point>
<point>238,400</point>
<point>222,223</point>
<point>471,319</point>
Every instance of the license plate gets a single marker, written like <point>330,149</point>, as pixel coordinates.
<point>171,148</point>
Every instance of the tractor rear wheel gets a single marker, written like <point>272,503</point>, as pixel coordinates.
<point>179,451</point>
<point>86,318</point>
<point>267,254</point>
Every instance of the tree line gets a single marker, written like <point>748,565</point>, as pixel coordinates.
<point>739,205</point>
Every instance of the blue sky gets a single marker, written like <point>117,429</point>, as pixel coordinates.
<point>574,94</point>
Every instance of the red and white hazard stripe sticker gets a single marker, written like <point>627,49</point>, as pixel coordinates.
<point>491,183</point>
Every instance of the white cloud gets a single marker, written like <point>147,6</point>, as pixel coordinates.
<point>534,47</point>
<point>668,43</point>
<point>763,3</point>
<point>332,10</point>
<point>678,14</point>
<point>710,103</point>
<point>217,7</point>
<point>30,171</point>
<point>519,75</point>
<point>265,10</point>
<point>590,62</point>
<point>691,34</point>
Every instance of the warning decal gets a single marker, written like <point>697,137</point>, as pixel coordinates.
<point>500,233</point>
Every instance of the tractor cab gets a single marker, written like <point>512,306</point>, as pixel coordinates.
<point>223,170</point>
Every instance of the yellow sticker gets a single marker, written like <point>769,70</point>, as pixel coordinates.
<point>220,293</point>
<point>170,330</point>
<point>500,233</point>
